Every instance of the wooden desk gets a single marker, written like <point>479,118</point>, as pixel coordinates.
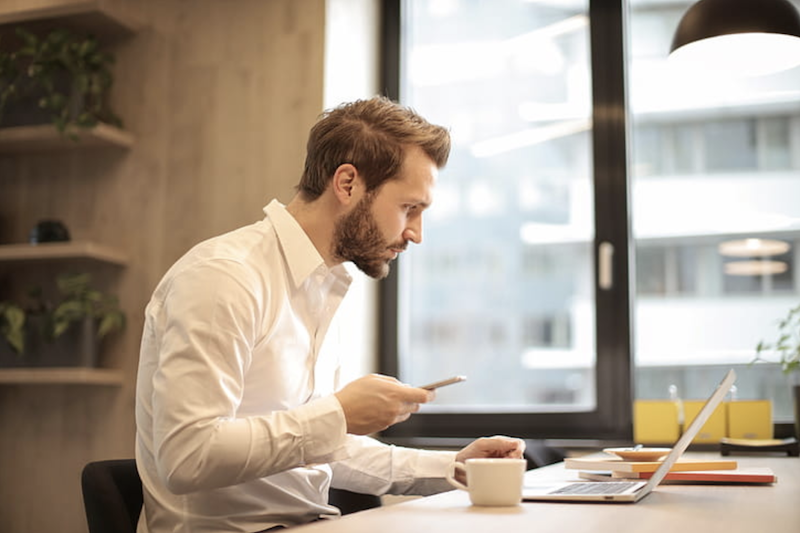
<point>669,508</point>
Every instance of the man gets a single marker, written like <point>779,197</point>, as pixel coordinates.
<point>241,425</point>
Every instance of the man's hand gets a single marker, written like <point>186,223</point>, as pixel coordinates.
<point>492,447</point>
<point>375,402</point>
<point>499,447</point>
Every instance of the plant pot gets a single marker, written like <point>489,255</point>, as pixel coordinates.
<point>27,112</point>
<point>77,347</point>
<point>796,392</point>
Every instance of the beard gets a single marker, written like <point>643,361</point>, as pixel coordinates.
<point>357,238</point>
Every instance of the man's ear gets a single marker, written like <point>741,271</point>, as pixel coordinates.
<point>346,183</point>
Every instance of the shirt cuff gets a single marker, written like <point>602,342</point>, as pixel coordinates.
<point>422,472</point>
<point>432,464</point>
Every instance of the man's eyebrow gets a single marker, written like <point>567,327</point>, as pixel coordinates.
<point>424,204</point>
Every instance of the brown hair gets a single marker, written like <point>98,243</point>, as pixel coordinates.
<point>372,136</point>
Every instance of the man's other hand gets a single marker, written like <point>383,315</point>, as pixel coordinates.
<point>492,447</point>
<point>375,402</point>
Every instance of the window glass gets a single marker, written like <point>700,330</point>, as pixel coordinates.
<point>715,163</point>
<point>776,143</point>
<point>730,145</point>
<point>502,288</point>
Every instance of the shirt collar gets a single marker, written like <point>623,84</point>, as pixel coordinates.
<point>301,255</point>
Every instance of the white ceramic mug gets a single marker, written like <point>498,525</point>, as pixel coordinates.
<point>490,481</point>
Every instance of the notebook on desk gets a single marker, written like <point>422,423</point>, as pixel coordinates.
<point>630,491</point>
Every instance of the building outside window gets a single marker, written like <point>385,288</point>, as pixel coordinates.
<point>505,286</point>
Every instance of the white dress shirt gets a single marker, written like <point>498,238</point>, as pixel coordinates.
<point>237,426</point>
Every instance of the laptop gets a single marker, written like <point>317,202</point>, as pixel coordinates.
<point>628,491</point>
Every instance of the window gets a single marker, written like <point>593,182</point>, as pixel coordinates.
<point>715,165</point>
<point>505,286</point>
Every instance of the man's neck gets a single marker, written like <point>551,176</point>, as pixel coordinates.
<point>317,218</point>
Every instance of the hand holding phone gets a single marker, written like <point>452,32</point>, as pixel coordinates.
<point>444,382</point>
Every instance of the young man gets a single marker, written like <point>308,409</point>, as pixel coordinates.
<point>241,424</point>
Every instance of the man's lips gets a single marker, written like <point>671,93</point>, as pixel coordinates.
<point>397,250</point>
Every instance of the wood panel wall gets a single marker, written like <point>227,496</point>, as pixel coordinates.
<point>220,96</point>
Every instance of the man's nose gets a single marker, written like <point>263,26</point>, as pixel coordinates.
<point>413,232</point>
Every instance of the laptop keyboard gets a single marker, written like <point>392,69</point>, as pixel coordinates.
<point>605,487</point>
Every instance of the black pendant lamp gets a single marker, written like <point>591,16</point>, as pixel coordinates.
<point>744,37</point>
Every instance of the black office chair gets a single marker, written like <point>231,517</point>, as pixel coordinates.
<point>352,502</point>
<point>539,454</point>
<point>112,495</point>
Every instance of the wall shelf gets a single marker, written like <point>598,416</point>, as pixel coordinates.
<point>62,250</point>
<point>46,137</point>
<point>89,16</point>
<point>60,376</point>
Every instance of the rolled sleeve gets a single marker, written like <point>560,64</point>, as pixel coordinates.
<point>377,468</point>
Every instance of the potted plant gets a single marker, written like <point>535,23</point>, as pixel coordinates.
<point>787,348</point>
<point>60,77</point>
<point>64,331</point>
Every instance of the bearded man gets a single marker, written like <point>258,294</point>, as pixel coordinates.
<point>241,423</point>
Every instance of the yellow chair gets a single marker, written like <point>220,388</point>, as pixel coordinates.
<point>656,422</point>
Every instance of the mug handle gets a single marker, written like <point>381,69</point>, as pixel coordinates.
<point>451,472</point>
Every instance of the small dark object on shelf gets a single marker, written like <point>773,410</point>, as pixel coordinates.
<point>49,231</point>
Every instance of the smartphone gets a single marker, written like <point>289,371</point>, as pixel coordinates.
<point>444,382</point>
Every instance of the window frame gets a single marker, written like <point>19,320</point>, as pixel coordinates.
<point>612,418</point>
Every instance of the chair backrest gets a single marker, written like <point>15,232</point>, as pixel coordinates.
<point>112,495</point>
<point>351,502</point>
<point>540,454</point>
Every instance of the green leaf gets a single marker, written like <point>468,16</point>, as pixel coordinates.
<point>16,339</point>
<point>12,325</point>
<point>69,310</point>
<point>59,328</point>
<point>87,49</point>
<point>73,284</point>
<point>109,323</point>
<point>28,38</point>
<point>787,344</point>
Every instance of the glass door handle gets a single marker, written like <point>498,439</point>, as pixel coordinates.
<point>605,266</point>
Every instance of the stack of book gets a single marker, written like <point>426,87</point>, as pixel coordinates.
<point>684,470</point>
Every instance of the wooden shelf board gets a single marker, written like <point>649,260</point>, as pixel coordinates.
<point>89,16</point>
<point>60,376</point>
<point>62,250</point>
<point>46,137</point>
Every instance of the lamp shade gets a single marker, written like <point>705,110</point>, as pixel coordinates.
<point>742,36</point>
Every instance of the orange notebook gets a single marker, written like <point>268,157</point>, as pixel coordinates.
<point>744,475</point>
